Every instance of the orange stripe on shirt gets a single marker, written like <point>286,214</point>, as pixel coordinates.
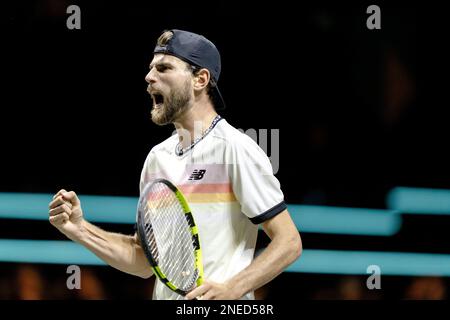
<point>206,188</point>
<point>209,197</point>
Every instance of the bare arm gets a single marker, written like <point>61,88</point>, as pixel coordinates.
<point>285,247</point>
<point>119,251</point>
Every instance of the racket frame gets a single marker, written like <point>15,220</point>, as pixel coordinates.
<point>192,228</point>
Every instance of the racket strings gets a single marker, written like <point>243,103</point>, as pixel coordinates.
<point>181,263</point>
<point>170,239</point>
<point>168,221</point>
<point>182,267</point>
<point>152,242</point>
<point>187,268</point>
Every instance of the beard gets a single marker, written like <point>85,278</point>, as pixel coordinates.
<point>173,105</point>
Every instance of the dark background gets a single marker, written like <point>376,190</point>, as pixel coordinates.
<point>76,113</point>
<point>358,110</point>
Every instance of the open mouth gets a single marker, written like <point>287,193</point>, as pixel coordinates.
<point>158,100</point>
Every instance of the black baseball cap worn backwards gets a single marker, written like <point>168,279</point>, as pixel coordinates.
<point>198,51</point>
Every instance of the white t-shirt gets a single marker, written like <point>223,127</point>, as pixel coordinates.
<point>227,180</point>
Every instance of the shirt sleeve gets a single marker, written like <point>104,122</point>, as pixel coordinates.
<point>254,184</point>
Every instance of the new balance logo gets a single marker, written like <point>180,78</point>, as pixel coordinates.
<point>197,174</point>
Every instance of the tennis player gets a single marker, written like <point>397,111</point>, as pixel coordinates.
<point>225,176</point>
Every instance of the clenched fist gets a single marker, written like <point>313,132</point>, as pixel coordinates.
<point>65,213</point>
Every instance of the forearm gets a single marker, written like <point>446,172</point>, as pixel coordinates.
<point>119,251</point>
<point>279,254</point>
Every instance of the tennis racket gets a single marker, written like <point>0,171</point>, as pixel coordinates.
<point>169,236</point>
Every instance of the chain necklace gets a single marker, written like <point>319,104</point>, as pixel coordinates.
<point>180,151</point>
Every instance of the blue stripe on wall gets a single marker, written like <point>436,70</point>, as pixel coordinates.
<point>114,209</point>
<point>419,201</point>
